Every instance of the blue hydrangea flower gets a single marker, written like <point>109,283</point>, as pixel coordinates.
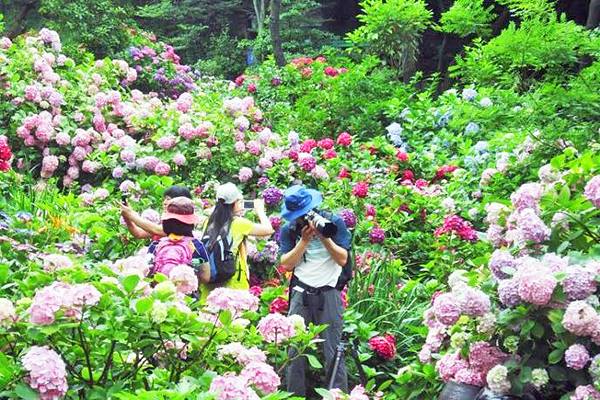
<point>443,119</point>
<point>394,129</point>
<point>481,147</point>
<point>486,102</point>
<point>472,128</point>
<point>469,94</point>
<point>404,113</point>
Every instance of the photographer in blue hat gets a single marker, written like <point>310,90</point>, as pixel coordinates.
<point>315,245</point>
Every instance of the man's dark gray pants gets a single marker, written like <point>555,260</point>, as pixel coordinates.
<point>332,315</point>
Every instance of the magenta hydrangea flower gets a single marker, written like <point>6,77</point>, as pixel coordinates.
<point>446,309</point>
<point>47,372</point>
<point>348,216</point>
<point>377,235</point>
<point>592,191</point>
<point>577,356</point>
<point>470,376</point>
<point>450,364</point>
<point>483,356</point>
<point>306,161</point>
<point>272,195</point>
<point>536,286</point>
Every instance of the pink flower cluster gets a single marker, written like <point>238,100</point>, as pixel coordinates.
<point>184,278</point>
<point>377,235</point>
<point>242,355</point>
<point>262,376</point>
<point>5,156</point>
<point>581,319</point>
<point>55,262</point>
<point>527,196</point>
<point>454,223</point>
<point>482,358</point>
<point>577,356</point>
<point>221,299</point>
<point>592,191</point>
<point>384,346</point>
<point>465,300</point>
<point>587,392</point>
<point>276,328</point>
<point>47,372</point>
<point>60,295</point>
<point>232,387</point>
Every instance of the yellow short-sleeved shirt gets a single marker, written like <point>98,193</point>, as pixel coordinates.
<point>240,229</point>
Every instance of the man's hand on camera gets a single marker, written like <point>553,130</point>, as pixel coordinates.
<point>308,231</point>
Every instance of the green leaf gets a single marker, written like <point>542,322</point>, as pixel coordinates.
<point>25,392</point>
<point>564,196</point>
<point>538,331</point>
<point>527,326</point>
<point>225,317</point>
<point>144,305</point>
<point>324,393</point>
<point>50,329</point>
<point>130,283</point>
<point>525,374</point>
<point>312,360</point>
<point>555,356</point>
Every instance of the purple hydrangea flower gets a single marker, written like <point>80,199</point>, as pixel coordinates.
<point>349,218</point>
<point>577,356</point>
<point>579,283</point>
<point>508,291</point>
<point>377,235</point>
<point>272,195</point>
<point>501,259</point>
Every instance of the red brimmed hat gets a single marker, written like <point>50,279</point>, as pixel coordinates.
<point>181,209</point>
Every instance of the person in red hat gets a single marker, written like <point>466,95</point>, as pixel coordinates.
<point>179,247</point>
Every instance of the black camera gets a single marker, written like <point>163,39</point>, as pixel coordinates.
<point>323,225</point>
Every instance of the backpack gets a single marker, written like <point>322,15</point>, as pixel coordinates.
<point>221,258</point>
<point>347,269</point>
<point>170,253</point>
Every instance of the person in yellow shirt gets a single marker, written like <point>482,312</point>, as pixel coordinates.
<point>225,221</point>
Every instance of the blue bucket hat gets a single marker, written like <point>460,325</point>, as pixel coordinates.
<point>298,200</point>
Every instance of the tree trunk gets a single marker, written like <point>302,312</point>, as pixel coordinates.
<point>259,11</point>
<point>593,14</point>
<point>17,26</point>
<point>275,33</point>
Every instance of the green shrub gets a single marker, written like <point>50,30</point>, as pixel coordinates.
<point>536,50</point>
<point>391,30</point>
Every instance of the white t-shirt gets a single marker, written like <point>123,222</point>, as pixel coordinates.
<point>317,268</point>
